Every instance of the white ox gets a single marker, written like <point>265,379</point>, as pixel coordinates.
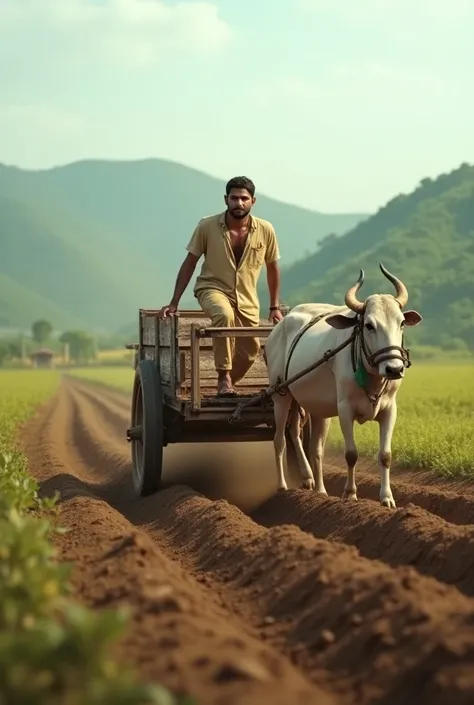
<point>359,383</point>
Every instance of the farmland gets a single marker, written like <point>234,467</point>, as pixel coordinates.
<point>117,377</point>
<point>52,649</point>
<point>21,393</point>
<point>434,427</point>
<point>233,591</point>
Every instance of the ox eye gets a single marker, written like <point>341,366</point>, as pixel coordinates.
<point>402,324</point>
<point>370,326</point>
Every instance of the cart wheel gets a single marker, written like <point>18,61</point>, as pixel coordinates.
<point>147,415</point>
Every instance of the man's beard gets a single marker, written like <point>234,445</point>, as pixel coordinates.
<point>239,215</point>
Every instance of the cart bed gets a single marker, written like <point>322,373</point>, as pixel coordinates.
<point>169,340</point>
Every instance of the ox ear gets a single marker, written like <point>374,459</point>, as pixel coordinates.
<point>412,318</point>
<point>341,322</point>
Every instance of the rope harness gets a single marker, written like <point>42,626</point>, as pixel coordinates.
<point>358,348</point>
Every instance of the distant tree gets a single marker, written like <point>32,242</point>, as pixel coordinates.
<point>4,353</point>
<point>327,240</point>
<point>81,345</point>
<point>14,348</point>
<point>41,330</point>
<point>426,181</point>
<point>451,343</point>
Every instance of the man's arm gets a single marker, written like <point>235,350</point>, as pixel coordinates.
<point>273,281</point>
<point>272,255</point>
<point>196,247</point>
<point>185,273</point>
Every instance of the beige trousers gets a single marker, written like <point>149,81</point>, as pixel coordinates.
<point>237,354</point>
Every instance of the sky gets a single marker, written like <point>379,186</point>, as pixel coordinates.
<point>336,105</point>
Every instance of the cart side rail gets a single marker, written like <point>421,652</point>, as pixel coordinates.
<point>158,341</point>
<point>161,340</point>
<point>200,332</point>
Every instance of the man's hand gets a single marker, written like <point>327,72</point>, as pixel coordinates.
<point>168,310</point>
<point>275,316</point>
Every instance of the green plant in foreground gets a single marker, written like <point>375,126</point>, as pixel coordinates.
<point>53,651</point>
<point>32,584</point>
<point>18,489</point>
<point>65,662</point>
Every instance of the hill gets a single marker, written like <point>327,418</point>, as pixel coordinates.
<point>90,242</point>
<point>47,271</point>
<point>426,238</point>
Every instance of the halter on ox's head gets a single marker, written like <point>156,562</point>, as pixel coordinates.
<point>379,325</point>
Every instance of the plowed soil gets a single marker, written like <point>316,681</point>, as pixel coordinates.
<point>241,595</point>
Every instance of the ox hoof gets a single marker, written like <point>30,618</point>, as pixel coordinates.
<point>388,502</point>
<point>349,496</point>
<point>308,484</point>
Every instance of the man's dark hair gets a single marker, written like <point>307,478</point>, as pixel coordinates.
<point>240,182</point>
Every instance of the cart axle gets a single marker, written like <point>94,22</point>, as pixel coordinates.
<point>134,433</point>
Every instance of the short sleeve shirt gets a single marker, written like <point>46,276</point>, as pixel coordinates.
<point>211,238</point>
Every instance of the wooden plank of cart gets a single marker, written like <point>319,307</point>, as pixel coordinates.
<point>174,397</point>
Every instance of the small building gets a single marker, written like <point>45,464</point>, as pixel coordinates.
<point>42,359</point>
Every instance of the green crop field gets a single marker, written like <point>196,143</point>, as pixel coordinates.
<point>20,393</point>
<point>434,429</point>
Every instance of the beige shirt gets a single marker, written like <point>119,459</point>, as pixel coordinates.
<point>219,271</point>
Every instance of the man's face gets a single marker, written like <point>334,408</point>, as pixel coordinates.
<point>239,203</point>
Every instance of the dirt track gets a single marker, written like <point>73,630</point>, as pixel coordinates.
<point>297,600</point>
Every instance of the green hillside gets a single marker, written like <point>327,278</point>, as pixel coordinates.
<point>19,306</point>
<point>93,241</point>
<point>47,270</point>
<point>426,238</point>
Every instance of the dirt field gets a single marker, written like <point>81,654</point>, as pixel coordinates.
<point>279,599</point>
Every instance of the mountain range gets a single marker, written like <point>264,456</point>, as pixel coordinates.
<point>426,238</point>
<point>87,244</point>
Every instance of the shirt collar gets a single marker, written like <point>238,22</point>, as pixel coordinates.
<point>222,223</point>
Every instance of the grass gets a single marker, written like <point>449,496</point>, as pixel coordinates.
<point>52,650</point>
<point>21,391</point>
<point>434,429</point>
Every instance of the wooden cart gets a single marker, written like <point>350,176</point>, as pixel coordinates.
<point>174,393</point>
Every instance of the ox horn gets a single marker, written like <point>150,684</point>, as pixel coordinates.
<point>402,293</point>
<point>351,299</point>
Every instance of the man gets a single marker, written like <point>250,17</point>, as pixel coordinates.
<point>235,245</point>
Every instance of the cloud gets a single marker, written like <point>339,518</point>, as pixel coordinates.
<point>131,33</point>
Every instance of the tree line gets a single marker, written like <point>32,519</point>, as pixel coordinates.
<point>79,344</point>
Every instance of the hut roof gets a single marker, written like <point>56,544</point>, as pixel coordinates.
<point>42,352</point>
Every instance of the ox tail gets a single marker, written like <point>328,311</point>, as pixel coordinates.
<point>304,416</point>
<point>297,409</point>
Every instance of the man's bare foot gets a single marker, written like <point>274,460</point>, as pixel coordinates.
<point>224,386</point>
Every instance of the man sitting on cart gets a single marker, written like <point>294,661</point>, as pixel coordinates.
<point>235,245</point>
